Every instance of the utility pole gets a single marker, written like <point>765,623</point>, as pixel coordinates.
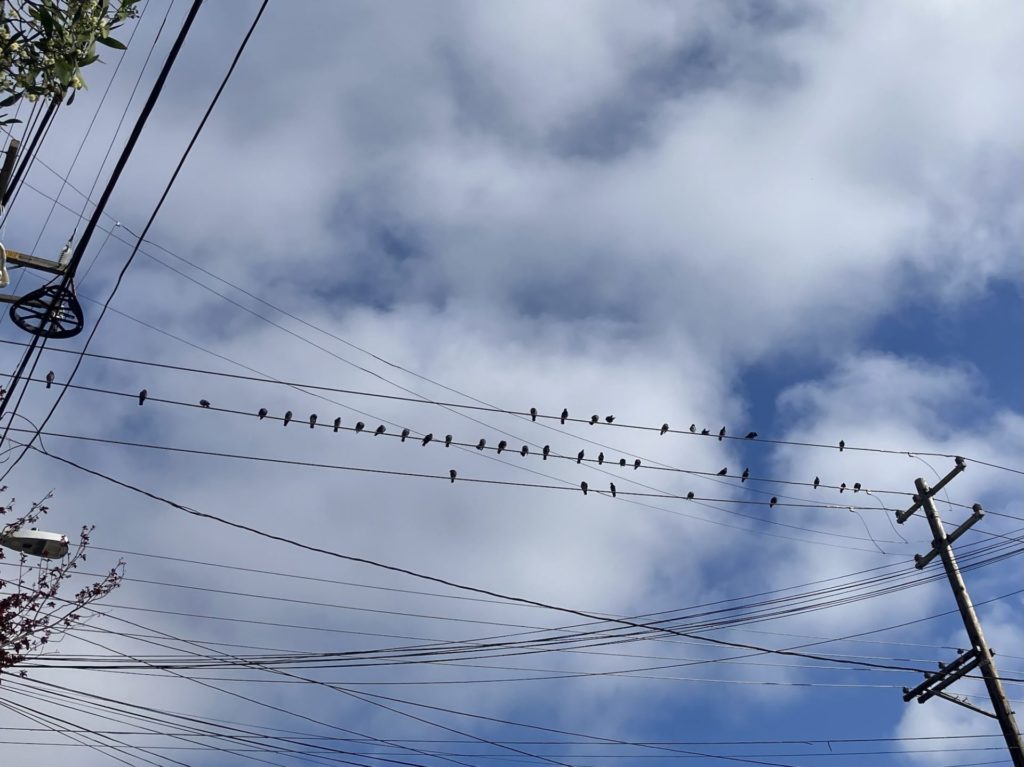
<point>980,655</point>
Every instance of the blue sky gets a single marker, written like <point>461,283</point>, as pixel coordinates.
<point>793,218</point>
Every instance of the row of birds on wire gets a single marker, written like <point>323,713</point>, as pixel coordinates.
<point>502,446</point>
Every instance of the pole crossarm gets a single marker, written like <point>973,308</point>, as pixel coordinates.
<point>919,500</point>
<point>920,561</point>
<point>947,674</point>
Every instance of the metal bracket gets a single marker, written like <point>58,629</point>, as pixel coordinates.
<point>965,703</point>
<point>51,311</point>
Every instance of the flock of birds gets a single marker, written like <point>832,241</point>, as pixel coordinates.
<point>524,450</point>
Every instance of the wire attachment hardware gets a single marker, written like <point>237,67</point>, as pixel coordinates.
<point>51,311</point>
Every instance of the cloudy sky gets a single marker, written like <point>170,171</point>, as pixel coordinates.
<point>799,219</point>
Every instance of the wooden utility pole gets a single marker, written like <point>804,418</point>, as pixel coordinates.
<point>980,655</point>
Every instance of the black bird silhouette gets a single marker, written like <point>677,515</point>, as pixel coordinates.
<point>622,462</point>
<point>337,424</point>
<point>547,449</point>
<point>143,394</point>
<point>49,379</point>
<point>721,434</point>
<point>583,487</point>
<point>593,419</point>
<point>751,435</point>
<point>693,428</point>
<point>481,444</point>
<point>723,472</point>
<point>609,419</point>
<point>524,451</point>
<point>745,475</point>
<point>579,457</point>
<point>261,414</point>
<point>447,440</point>
<point>704,432</point>
<point>772,502</point>
<point>204,403</point>
<point>533,414</point>
<point>312,420</point>
<point>405,433</point>
<point>360,426</point>
<point>664,429</point>
<point>636,464</point>
<point>689,496</point>
<point>842,445</point>
<point>600,458</point>
<point>842,487</point>
<point>611,486</point>
<point>426,439</point>
<point>565,414</point>
<point>379,430</point>
<point>502,445</point>
<point>817,481</point>
<point>287,418</point>
<point>452,475</point>
<point>856,487</point>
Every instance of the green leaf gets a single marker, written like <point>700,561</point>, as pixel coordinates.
<point>110,42</point>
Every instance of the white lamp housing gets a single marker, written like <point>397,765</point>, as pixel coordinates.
<point>35,542</point>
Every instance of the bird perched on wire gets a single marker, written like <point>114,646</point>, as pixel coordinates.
<point>609,419</point>
<point>721,434</point>
<point>842,487</point>
<point>501,446</point>
<point>622,462</point>
<point>312,420</point>
<point>636,464</point>
<point>772,502</point>
<point>524,451</point>
<point>447,440</point>
<point>856,487</point>
<point>204,403</point>
<point>405,433</point>
<point>579,457</point>
<point>546,451</point>
<point>600,458</point>
<point>360,426</point>
<point>337,424</point>
<point>287,418</point>
<point>689,496</point>
<point>261,414</point>
<point>426,439</point>
<point>724,471</point>
<point>594,419</point>
<point>611,487</point>
<point>817,481</point>
<point>664,429</point>
<point>842,445</point>
<point>565,414</point>
<point>481,444</point>
<point>379,430</point>
<point>751,435</point>
<point>584,487</point>
<point>745,475</point>
<point>49,379</point>
<point>693,428</point>
<point>452,475</point>
<point>143,394</point>
<point>533,414</point>
<point>704,433</point>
